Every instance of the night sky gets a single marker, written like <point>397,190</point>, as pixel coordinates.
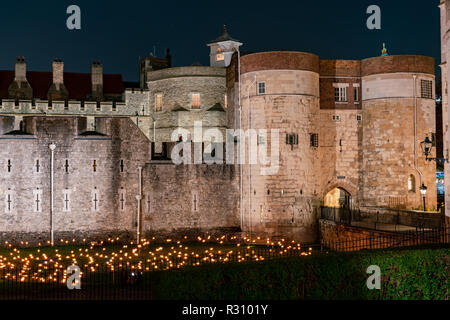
<point>119,32</point>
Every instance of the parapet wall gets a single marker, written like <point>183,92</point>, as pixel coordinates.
<point>399,63</point>
<point>280,60</point>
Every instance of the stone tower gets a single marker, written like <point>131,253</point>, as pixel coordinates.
<point>280,91</point>
<point>222,49</point>
<point>445,56</point>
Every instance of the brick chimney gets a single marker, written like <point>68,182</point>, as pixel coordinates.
<point>20,88</point>
<point>57,90</point>
<point>97,80</point>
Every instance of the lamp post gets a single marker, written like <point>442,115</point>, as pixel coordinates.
<point>52,148</point>
<point>423,191</point>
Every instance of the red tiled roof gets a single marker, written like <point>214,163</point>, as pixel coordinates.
<point>78,84</point>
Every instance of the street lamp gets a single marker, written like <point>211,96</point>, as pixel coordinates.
<point>427,146</point>
<point>423,191</point>
<point>52,148</point>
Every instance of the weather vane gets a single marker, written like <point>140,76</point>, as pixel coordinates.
<point>384,51</point>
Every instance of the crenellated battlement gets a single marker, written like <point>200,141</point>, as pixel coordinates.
<point>73,107</point>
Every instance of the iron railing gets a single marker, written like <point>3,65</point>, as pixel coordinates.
<point>389,240</point>
<point>384,219</point>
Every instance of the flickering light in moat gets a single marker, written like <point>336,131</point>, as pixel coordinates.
<point>33,264</point>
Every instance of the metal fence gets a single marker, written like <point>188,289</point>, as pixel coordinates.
<point>385,219</point>
<point>387,240</point>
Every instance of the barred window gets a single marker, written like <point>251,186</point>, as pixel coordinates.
<point>314,140</point>
<point>340,94</point>
<point>261,88</point>
<point>427,89</point>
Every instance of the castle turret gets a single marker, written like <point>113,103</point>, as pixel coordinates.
<point>57,90</point>
<point>222,49</point>
<point>20,88</point>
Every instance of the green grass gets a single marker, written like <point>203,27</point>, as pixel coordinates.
<point>406,275</point>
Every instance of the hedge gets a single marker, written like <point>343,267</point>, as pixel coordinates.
<point>406,274</point>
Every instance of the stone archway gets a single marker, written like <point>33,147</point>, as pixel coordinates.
<point>337,197</point>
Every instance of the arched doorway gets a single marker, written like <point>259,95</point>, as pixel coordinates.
<point>337,205</point>
<point>337,198</point>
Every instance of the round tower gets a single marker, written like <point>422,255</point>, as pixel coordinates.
<point>280,94</point>
<point>398,105</point>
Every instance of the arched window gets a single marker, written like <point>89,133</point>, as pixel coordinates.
<point>412,183</point>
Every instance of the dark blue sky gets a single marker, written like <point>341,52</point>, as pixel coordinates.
<point>118,32</point>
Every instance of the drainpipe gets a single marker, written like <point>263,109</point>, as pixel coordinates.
<point>240,127</point>
<point>138,198</point>
<point>415,130</point>
<point>249,123</point>
<point>52,148</point>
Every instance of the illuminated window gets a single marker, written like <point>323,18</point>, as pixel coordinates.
<point>220,57</point>
<point>412,183</point>
<point>427,89</point>
<point>196,100</point>
<point>158,102</point>
<point>226,102</point>
<point>261,88</point>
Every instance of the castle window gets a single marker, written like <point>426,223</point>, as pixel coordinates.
<point>356,94</point>
<point>37,198</point>
<point>50,105</point>
<point>196,100</point>
<point>94,165</point>
<point>82,106</point>
<point>9,201</point>
<point>261,88</point>
<point>66,105</point>
<point>66,199</point>
<point>147,197</point>
<point>114,106</point>
<point>122,200</point>
<point>99,106</point>
<point>9,166</point>
<point>38,166</point>
<point>95,200</point>
<point>292,139</point>
<point>412,183</point>
<point>340,94</point>
<point>359,117</point>
<point>427,89</point>
<point>314,140</point>
<point>66,166</point>
<point>226,101</point>
<point>195,205</point>
<point>220,57</point>
<point>122,166</point>
<point>336,117</point>
<point>158,102</point>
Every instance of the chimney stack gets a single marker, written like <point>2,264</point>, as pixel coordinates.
<point>58,72</point>
<point>57,90</point>
<point>97,80</point>
<point>20,88</point>
<point>21,69</point>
